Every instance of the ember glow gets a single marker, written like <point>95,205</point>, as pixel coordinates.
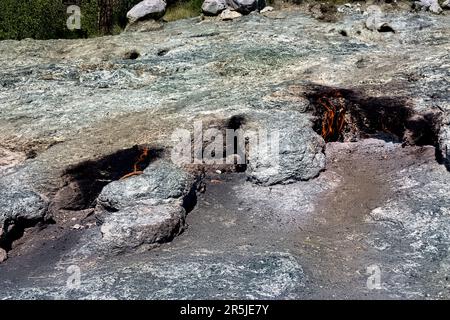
<point>136,170</point>
<point>334,117</point>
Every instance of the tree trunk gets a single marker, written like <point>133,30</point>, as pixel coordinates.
<point>105,20</point>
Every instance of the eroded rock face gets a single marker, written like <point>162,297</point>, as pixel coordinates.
<point>147,9</point>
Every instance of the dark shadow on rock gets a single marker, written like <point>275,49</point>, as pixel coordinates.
<point>16,229</point>
<point>390,118</point>
<point>85,181</point>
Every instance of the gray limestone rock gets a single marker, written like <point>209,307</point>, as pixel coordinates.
<point>20,203</point>
<point>146,209</point>
<point>147,9</point>
<point>430,5</point>
<point>244,6</point>
<point>213,7</point>
<point>298,151</point>
<point>161,181</point>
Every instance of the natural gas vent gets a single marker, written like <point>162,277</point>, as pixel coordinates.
<point>15,229</point>
<point>386,28</point>
<point>347,115</point>
<point>85,181</point>
<point>162,52</point>
<point>233,153</point>
<point>235,122</point>
<point>131,55</point>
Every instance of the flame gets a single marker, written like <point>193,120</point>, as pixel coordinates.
<point>136,171</point>
<point>333,118</point>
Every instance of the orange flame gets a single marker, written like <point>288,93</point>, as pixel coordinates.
<point>136,170</point>
<point>333,118</point>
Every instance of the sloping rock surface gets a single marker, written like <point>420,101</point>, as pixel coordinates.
<point>66,102</point>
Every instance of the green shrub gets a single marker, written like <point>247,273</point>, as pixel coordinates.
<point>183,10</point>
<point>46,19</point>
<point>32,19</point>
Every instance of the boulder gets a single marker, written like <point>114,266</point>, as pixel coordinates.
<point>429,5</point>
<point>16,203</point>
<point>146,209</point>
<point>214,7</point>
<point>147,9</point>
<point>160,182</point>
<point>300,153</point>
<point>246,6</point>
<point>143,224</point>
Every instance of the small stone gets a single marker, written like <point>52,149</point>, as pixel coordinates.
<point>77,227</point>
<point>218,171</point>
<point>229,15</point>
<point>266,9</point>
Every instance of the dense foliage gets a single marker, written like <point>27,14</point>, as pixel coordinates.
<point>46,19</point>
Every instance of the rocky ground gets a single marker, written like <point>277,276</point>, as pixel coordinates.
<point>75,115</point>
